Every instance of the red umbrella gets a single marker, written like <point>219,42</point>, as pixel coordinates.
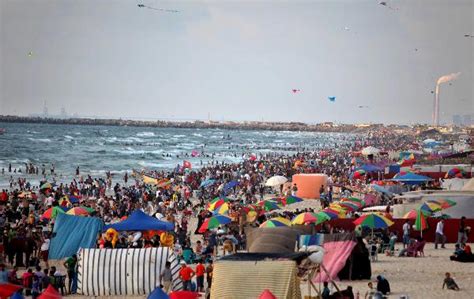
<point>266,294</point>
<point>8,289</point>
<point>184,295</point>
<point>50,293</point>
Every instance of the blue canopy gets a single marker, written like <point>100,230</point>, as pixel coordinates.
<point>412,179</point>
<point>370,168</point>
<point>230,185</point>
<point>139,221</point>
<point>72,233</point>
<point>207,183</point>
<point>158,293</point>
<point>381,189</point>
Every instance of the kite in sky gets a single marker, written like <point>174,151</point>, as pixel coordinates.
<point>295,90</point>
<point>384,3</point>
<point>363,106</point>
<point>332,99</point>
<point>155,8</point>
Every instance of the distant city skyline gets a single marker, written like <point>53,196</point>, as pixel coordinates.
<point>349,61</point>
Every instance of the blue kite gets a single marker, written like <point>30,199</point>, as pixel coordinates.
<point>332,99</point>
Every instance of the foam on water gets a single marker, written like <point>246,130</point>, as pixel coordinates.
<point>146,134</point>
<point>40,139</point>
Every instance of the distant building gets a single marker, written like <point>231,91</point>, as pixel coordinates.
<point>467,119</point>
<point>457,120</point>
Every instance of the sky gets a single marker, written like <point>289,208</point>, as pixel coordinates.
<point>237,60</point>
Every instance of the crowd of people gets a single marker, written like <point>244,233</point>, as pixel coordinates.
<point>26,232</point>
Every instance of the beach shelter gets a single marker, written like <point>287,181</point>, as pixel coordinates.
<point>266,294</point>
<point>158,293</point>
<point>373,221</point>
<point>411,179</point>
<point>444,203</point>
<point>124,272</point>
<point>276,181</point>
<point>310,218</point>
<point>420,223</point>
<point>371,168</point>
<point>50,293</point>
<point>8,289</point>
<point>291,200</point>
<point>52,213</point>
<point>70,233</point>
<point>214,222</point>
<point>276,222</point>
<point>370,150</point>
<point>139,221</point>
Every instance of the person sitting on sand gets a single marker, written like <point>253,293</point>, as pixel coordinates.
<point>382,285</point>
<point>372,293</point>
<point>450,283</point>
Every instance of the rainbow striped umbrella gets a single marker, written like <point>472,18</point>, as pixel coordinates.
<point>276,222</point>
<point>222,210</point>
<point>373,221</point>
<point>354,199</point>
<point>269,205</point>
<point>51,213</point>
<point>330,214</point>
<point>430,207</point>
<point>216,202</point>
<point>339,213</point>
<point>291,200</point>
<point>412,214</point>
<point>214,222</point>
<point>308,217</point>
<point>78,211</point>
<point>350,206</point>
<point>420,223</point>
<point>444,203</point>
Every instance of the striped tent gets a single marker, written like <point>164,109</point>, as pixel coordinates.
<point>124,272</point>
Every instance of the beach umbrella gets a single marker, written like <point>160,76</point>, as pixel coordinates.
<point>217,202</point>
<point>454,172</point>
<point>51,213</point>
<point>222,210</point>
<point>269,205</point>
<point>339,213</point>
<point>310,218</point>
<point>276,222</point>
<point>207,183</point>
<point>444,203</point>
<point>158,293</point>
<point>430,207</point>
<point>266,294</point>
<point>230,185</point>
<point>50,293</point>
<point>276,181</point>
<point>420,223</point>
<point>8,289</point>
<point>412,214</point>
<point>17,295</point>
<point>330,214</point>
<point>350,206</point>
<point>46,186</point>
<point>370,150</point>
<point>214,222</point>
<point>358,174</point>
<point>78,211</point>
<point>354,199</point>
<point>373,221</point>
<point>291,200</point>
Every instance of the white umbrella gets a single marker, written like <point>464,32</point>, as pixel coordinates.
<point>276,181</point>
<point>370,150</point>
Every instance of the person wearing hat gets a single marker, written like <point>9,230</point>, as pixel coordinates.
<point>186,274</point>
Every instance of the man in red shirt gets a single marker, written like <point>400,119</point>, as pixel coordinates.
<point>200,270</point>
<point>186,274</point>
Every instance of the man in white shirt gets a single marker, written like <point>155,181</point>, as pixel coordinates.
<point>440,237</point>
<point>406,233</point>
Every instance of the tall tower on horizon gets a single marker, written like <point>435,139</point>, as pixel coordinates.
<point>45,109</point>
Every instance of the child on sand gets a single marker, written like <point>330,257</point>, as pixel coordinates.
<point>450,283</point>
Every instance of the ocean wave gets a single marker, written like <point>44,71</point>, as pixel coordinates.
<point>179,136</point>
<point>32,132</point>
<point>40,139</point>
<point>197,134</point>
<point>145,134</point>
<point>68,137</point>
<point>132,151</point>
<point>124,140</point>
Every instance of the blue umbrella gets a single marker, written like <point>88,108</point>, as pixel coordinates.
<point>370,168</point>
<point>158,293</point>
<point>230,185</point>
<point>17,296</point>
<point>207,183</point>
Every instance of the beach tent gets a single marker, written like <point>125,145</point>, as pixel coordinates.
<point>124,272</point>
<point>256,272</point>
<point>70,233</point>
<point>158,293</point>
<point>357,266</point>
<point>276,239</point>
<point>412,179</point>
<point>338,248</point>
<point>139,221</point>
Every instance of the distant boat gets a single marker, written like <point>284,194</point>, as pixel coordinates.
<point>2,131</point>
